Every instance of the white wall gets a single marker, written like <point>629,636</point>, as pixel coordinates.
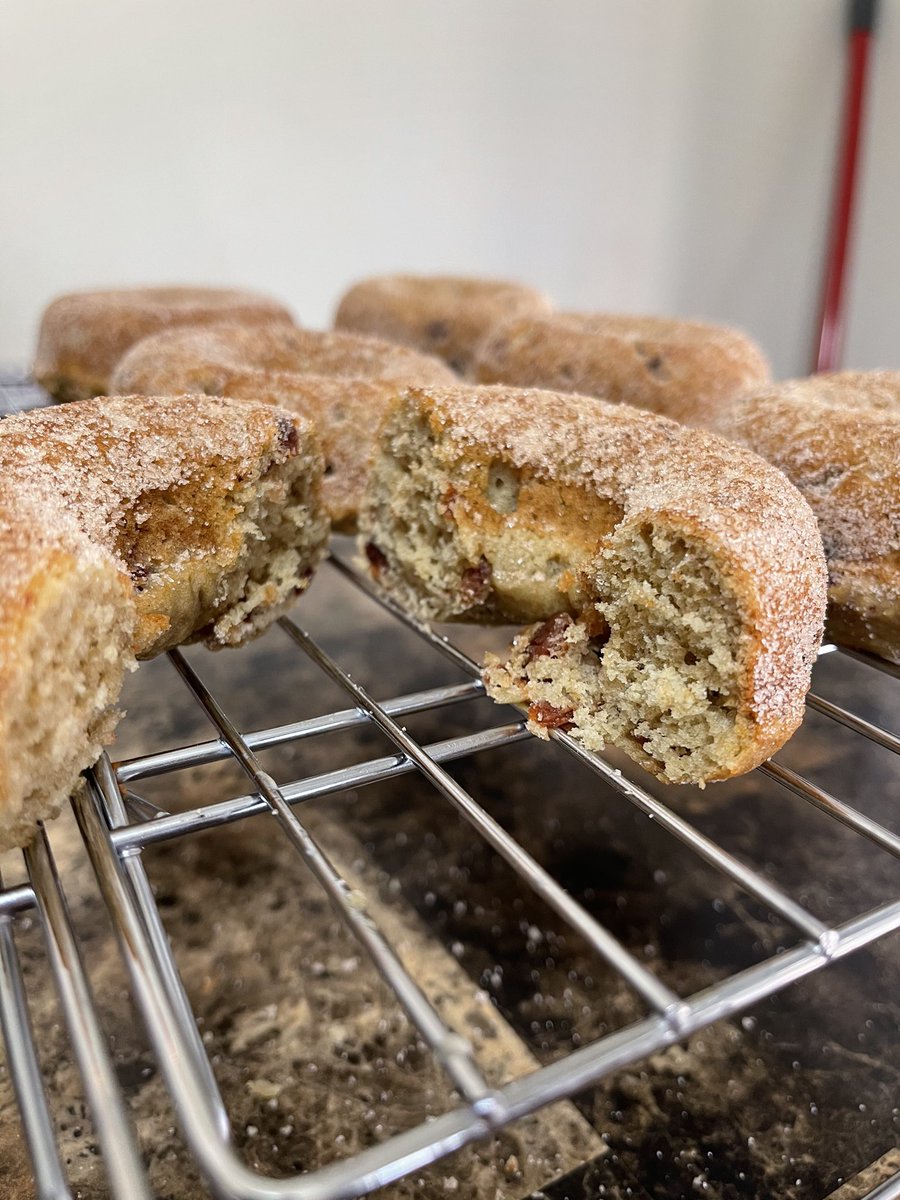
<point>657,155</point>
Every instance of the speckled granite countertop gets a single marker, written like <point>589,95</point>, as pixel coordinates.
<point>314,1058</point>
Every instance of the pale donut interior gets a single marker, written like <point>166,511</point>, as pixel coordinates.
<point>404,498</point>
<point>508,563</point>
<point>649,666</point>
<point>282,536</point>
<point>59,713</point>
<point>639,635</point>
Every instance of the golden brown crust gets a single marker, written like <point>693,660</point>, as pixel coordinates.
<point>439,314</point>
<point>837,438</point>
<point>342,381</point>
<point>592,476</point>
<point>685,370</point>
<point>84,334</point>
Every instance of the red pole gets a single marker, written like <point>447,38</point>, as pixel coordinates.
<point>831,322</point>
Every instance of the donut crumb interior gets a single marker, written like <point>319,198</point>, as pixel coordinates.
<point>650,666</point>
<point>643,652</point>
<point>211,564</point>
<point>61,712</point>
<point>406,493</point>
<point>283,536</point>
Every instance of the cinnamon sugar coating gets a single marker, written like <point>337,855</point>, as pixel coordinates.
<point>692,568</point>
<point>127,526</point>
<point>837,438</point>
<point>341,381</point>
<point>445,315</point>
<point>682,369</point>
<point>84,334</point>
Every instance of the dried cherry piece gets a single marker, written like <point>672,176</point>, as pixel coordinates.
<point>377,559</point>
<point>287,435</point>
<point>549,638</point>
<point>550,717</point>
<point>475,583</point>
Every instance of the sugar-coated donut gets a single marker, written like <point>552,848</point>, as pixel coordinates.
<point>84,334</point>
<point>678,580</point>
<point>683,369</point>
<point>341,381</point>
<point>439,314</point>
<point>837,438</point>
<point>128,525</point>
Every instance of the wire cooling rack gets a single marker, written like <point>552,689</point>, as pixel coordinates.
<point>116,827</point>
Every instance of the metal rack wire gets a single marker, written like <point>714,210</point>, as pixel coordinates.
<point>116,828</point>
